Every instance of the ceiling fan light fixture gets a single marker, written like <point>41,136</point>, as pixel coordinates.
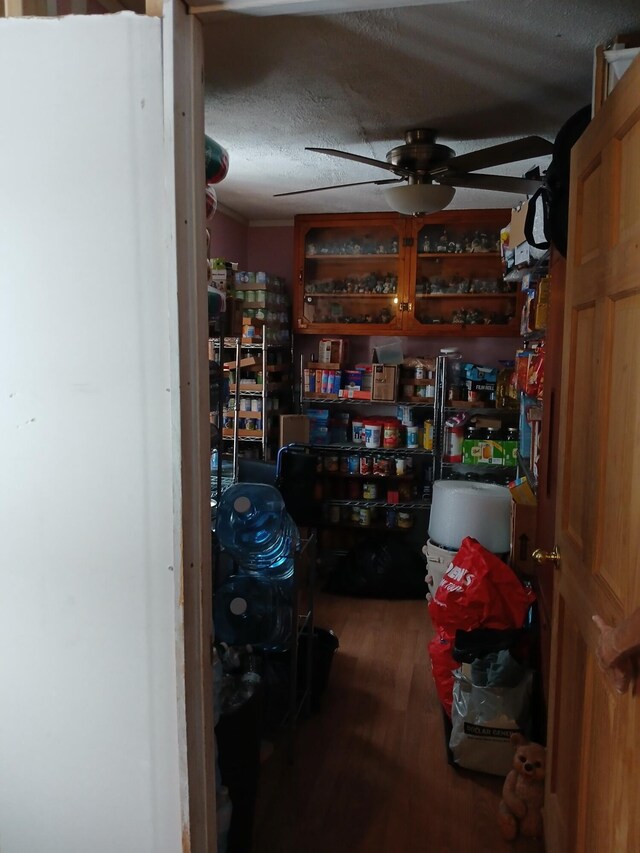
<point>418,198</point>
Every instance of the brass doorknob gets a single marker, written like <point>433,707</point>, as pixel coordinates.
<point>541,556</point>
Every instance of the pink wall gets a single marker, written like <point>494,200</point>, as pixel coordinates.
<point>270,248</point>
<point>485,351</point>
<point>228,239</point>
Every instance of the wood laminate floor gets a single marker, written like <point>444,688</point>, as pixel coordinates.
<point>370,773</point>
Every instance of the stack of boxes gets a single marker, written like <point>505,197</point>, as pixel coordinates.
<point>326,377</point>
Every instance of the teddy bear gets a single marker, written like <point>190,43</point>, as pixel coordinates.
<point>520,808</point>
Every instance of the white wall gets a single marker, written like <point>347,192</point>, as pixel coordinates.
<point>88,716</point>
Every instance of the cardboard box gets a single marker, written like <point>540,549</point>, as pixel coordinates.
<point>332,350</point>
<point>523,537</point>
<point>516,226</point>
<point>384,382</point>
<point>477,451</point>
<point>354,394</point>
<point>294,429</point>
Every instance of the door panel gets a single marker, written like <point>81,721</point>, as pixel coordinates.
<point>579,447</point>
<point>567,686</point>
<point>589,235</point>
<point>620,542</point>
<point>629,165</point>
<point>593,786</point>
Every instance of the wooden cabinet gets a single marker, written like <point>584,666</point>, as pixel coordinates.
<point>351,273</point>
<point>384,274</point>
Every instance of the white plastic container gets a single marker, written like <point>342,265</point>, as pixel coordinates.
<point>372,434</point>
<point>480,510</point>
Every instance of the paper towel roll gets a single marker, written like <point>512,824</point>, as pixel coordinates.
<point>480,510</point>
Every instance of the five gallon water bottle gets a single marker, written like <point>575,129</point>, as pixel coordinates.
<point>251,610</point>
<point>255,528</point>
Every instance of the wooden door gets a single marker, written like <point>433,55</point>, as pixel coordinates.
<point>593,780</point>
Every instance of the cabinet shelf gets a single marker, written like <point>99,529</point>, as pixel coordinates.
<point>342,295</point>
<point>361,256</point>
<point>426,402</point>
<point>458,255</point>
<point>474,296</point>
<point>378,478</point>
<point>370,528</point>
<point>416,504</point>
<point>355,448</point>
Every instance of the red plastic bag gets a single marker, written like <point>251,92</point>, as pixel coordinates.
<point>442,667</point>
<point>479,591</point>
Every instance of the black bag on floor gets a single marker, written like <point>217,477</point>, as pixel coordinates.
<point>379,570</point>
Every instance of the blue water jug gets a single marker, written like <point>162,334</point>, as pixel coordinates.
<point>255,528</point>
<point>255,611</point>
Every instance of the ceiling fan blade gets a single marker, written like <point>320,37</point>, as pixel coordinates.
<point>497,183</point>
<point>496,155</point>
<point>340,186</point>
<point>382,164</point>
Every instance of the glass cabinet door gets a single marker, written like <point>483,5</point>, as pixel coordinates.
<point>459,286</point>
<point>351,277</point>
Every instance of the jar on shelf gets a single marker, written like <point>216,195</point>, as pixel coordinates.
<point>370,491</point>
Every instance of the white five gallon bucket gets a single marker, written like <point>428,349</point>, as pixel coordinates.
<point>480,510</point>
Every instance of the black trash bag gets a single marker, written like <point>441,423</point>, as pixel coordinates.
<point>553,197</point>
<point>380,570</point>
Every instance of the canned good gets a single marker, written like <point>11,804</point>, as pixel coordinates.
<point>355,515</point>
<point>353,464</point>
<point>405,520</point>
<point>412,436</point>
<point>401,466</point>
<point>364,516</point>
<point>380,464</point>
<point>256,404</point>
<point>370,491</point>
<point>245,404</point>
<point>353,490</point>
<point>427,435</point>
<point>249,296</point>
<point>366,465</point>
<point>357,432</point>
<point>391,436</point>
<point>405,492</point>
<point>419,372</point>
<point>261,296</point>
<point>405,414</point>
<point>331,463</point>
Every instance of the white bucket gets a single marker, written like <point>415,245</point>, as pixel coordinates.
<point>480,510</point>
<point>372,433</point>
<point>438,560</point>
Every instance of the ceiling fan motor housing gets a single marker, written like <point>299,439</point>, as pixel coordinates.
<point>420,154</point>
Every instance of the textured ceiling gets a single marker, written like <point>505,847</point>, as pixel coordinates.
<point>480,72</point>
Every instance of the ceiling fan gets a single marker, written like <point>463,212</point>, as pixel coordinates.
<point>428,172</point>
